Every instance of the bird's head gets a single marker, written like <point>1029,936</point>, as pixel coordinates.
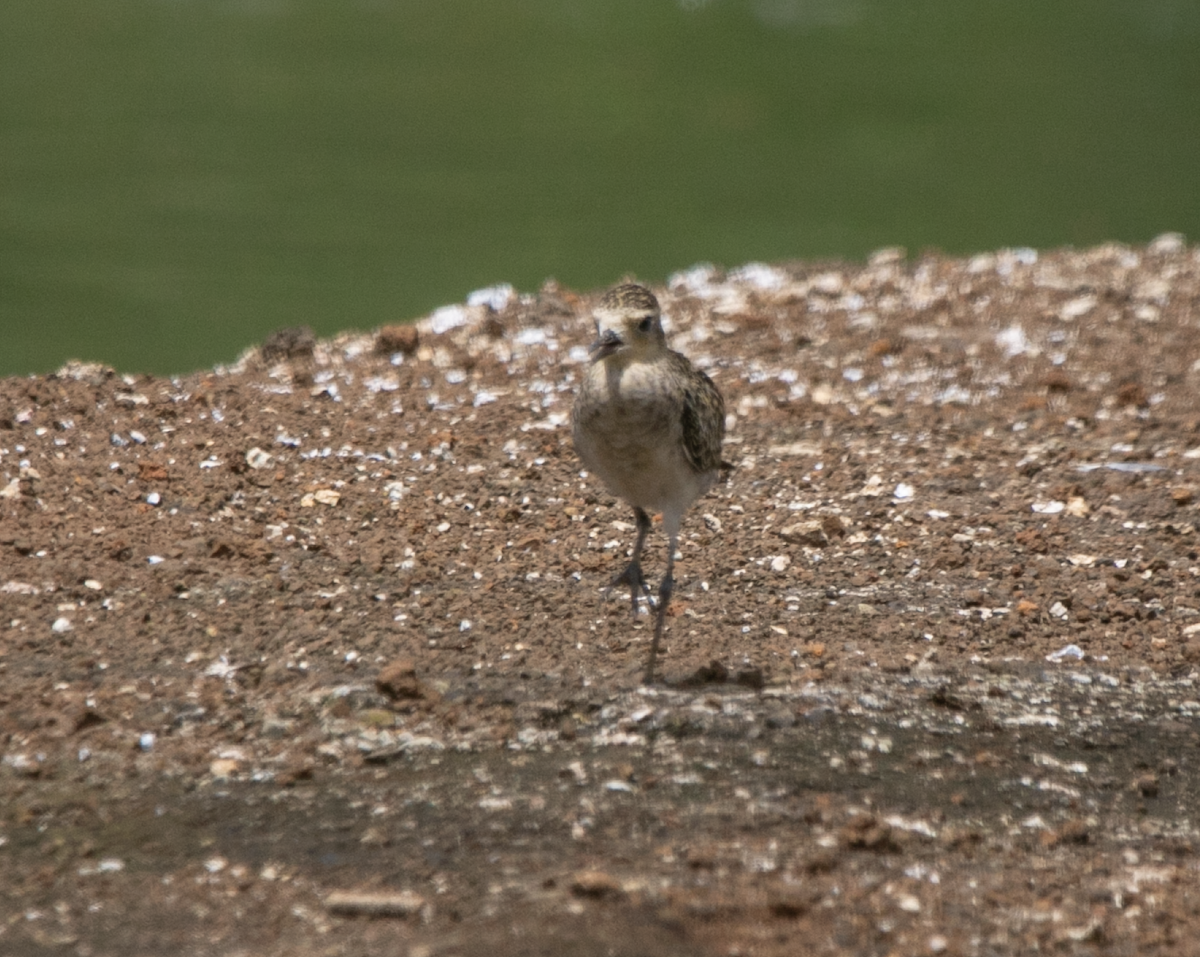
<point>627,320</point>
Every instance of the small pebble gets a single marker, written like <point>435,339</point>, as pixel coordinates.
<point>374,904</point>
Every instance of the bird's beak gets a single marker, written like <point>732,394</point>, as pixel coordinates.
<point>608,343</point>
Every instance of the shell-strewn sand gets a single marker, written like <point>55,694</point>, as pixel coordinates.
<point>309,655</point>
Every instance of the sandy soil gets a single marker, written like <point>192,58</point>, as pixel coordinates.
<point>309,655</point>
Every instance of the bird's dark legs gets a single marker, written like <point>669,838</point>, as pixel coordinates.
<point>632,576</point>
<point>664,598</point>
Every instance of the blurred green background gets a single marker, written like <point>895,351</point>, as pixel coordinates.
<point>180,177</point>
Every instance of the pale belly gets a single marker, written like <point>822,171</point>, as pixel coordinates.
<point>638,456</point>
<point>648,477</point>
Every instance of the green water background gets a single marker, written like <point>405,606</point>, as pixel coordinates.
<point>180,177</point>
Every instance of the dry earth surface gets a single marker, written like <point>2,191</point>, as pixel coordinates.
<point>309,655</point>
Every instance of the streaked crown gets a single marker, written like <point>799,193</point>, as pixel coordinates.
<point>630,298</point>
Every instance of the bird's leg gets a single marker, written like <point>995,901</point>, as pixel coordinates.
<point>632,576</point>
<point>664,598</point>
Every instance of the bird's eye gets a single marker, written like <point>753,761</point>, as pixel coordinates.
<point>646,324</point>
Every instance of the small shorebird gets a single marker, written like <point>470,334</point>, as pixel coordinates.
<point>650,425</point>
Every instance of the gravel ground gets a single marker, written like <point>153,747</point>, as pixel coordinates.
<point>310,654</point>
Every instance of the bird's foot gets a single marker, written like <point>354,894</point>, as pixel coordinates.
<point>633,578</point>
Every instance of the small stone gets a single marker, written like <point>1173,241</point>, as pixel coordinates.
<point>297,769</point>
<point>377,718</point>
<point>1133,393</point>
<point>1093,930</point>
<point>867,832</point>
<point>294,342</point>
<point>61,626</point>
<point>574,772</point>
<point>701,858</point>
<point>788,902</point>
<point>835,526</point>
<point>1182,495</point>
<point>22,764</point>
<point>398,680</point>
<point>152,472</point>
<point>888,256</point>
<point>822,861</point>
<point>397,338</point>
<point>1077,507</point>
<point>1075,831</point>
<point>595,884</point>
<point>1167,243</point>
<point>1146,785</point>
<point>375,904</point>
<point>1077,307</point>
<point>829,284</point>
<point>224,767</point>
<point>810,533</point>
<point>374,837</point>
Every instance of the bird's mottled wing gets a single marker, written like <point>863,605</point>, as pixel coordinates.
<point>703,417</point>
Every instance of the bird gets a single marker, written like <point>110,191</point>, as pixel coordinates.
<point>650,425</point>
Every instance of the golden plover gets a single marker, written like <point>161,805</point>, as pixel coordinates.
<point>650,425</point>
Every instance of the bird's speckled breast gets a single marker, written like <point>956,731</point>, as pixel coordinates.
<point>626,405</point>
<point>627,429</point>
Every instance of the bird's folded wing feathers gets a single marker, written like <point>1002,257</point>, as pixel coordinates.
<point>703,421</point>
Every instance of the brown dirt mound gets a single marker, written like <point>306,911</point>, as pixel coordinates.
<point>310,655</point>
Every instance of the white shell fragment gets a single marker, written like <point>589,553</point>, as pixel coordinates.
<point>1048,508</point>
<point>256,458</point>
